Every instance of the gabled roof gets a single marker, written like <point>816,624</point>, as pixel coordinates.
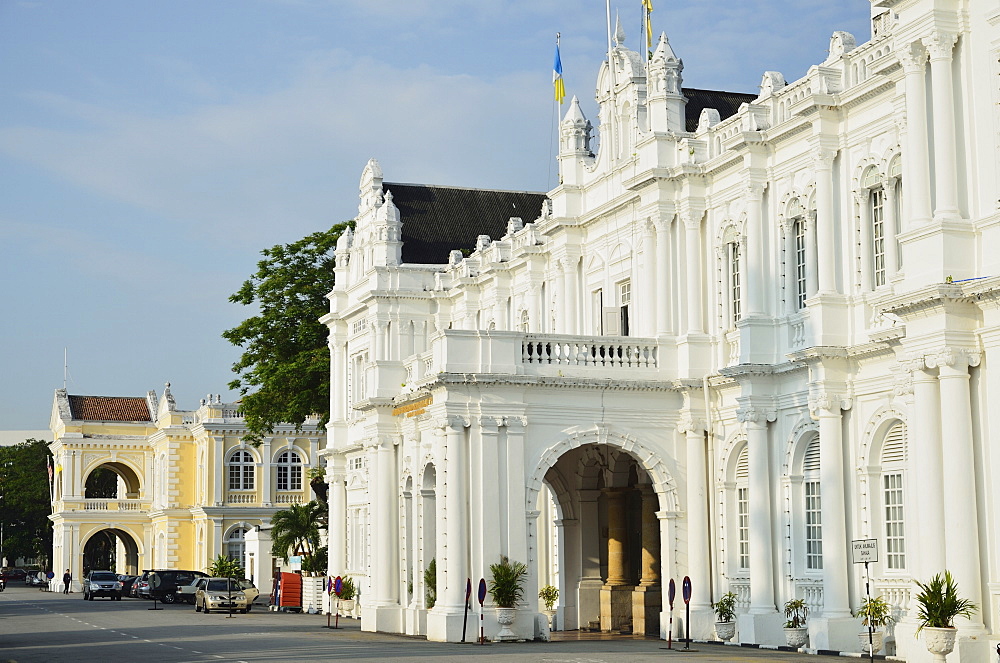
<point>727,103</point>
<point>440,219</point>
<point>109,408</point>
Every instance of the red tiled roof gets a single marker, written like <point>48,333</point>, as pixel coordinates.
<point>109,408</point>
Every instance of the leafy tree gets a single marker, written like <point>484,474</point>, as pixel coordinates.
<point>224,567</point>
<point>296,529</point>
<point>102,483</point>
<point>26,503</point>
<point>284,371</point>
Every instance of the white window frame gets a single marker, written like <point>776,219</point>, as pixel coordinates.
<point>799,261</point>
<point>241,470</point>
<point>289,471</point>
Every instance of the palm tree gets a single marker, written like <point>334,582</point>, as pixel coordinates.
<point>296,529</point>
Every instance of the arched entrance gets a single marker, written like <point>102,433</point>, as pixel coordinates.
<point>613,501</point>
<point>111,549</point>
<point>112,480</point>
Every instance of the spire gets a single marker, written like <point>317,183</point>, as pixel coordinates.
<point>663,50</point>
<point>619,31</point>
<point>666,98</point>
<point>574,131</point>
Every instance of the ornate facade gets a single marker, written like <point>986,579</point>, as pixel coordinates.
<point>732,341</point>
<point>140,484</point>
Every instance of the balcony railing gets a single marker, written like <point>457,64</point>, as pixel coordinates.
<point>99,504</point>
<point>584,351</point>
<point>241,497</point>
<point>288,498</point>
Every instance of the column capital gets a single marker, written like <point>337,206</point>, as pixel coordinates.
<point>490,425</point>
<point>754,191</point>
<point>959,359</point>
<point>378,442</point>
<point>940,45</point>
<point>452,421</point>
<point>689,424</point>
<point>691,219</point>
<point>515,424</point>
<point>912,58</point>
<point>823,158</point>
<point>756,414</point>
<point>828,403</point>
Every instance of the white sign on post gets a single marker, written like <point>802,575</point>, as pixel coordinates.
<point>865,550</point>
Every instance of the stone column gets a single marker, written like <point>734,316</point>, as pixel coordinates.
<point>266,496</point>
<point>761,553</point>
<point>812,267</point>
<point>378,331</point>
<point>754,252</point>
<point>697,514</point>
<point>889,223</point>
<point>456,535</point>
<point>867,234</point>
<point>833,507</point>
<point>825,232</point>
<point>940,46</point>
<point>386,516</point>
<point>646,598</point>
<point>336,477</point>
<point>662,290</point>
<point>616,599</point>
<point>917,183</point>
<point>219,469</point>
<point>648,313</point>
<point>693,286</point>
<point>561,289</point>
<point>534,309</point>
<point>338,385</point>
<point>926,434</point>
<point>571,296</point>
<point>590,552</point>
<point>961,527</point>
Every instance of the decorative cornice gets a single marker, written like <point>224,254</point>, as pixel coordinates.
<point>506,379</point>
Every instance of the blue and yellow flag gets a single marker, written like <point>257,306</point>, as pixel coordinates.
<point>557,77</point>
<point>648,6</point>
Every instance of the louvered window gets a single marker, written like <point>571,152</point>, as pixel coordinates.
<point>893,462</point>
<point>813,507</point>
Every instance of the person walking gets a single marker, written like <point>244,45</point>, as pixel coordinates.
<point>67,581</point>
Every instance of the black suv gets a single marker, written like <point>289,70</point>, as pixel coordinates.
<point>163,584</point>
<point>102,583</point>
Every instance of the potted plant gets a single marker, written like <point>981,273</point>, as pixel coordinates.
<point>506,589</point>
<point>875,614</point>
<point>796,612</point>
<point>938,603</point>
<point>549,594</point>
<point>347,593</point>
<point>725,613</point>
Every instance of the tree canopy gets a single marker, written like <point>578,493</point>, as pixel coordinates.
<point>295,530</point>
<point>26,502</point>
<point>284,371</point>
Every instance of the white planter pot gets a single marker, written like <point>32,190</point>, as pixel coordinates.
<point>346,607</point>
<point>550,614</point>
<point>725,630</point>
<point>878,640</point>
<point>940,641</point>
<point>505,617</point>
<point>796,637</point>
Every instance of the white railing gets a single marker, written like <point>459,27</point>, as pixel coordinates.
<point>589,351</point>
<point>741,587</point>
<point>811,591</point>
<point>95,505</point>
<point>896,593</point>
<point>128,506</point>
<point>288,498</point>
<point>733,348</point>
<point>797,333</point>
<point>92,504</point>
<point>241,498</point>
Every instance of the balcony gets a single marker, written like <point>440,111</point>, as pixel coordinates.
<point>97,504</point>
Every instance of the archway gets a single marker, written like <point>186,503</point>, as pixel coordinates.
<point>112,480</point>
<point>611,495</point>
<point>111,549</point>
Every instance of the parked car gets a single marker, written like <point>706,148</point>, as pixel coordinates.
<point>102,583</point>
<point>250,591</point>
<point>140,588</point>
<point>14,574</point>
<point>163,583</point>
<point>186,593</point>
<point>127,582</point>
<point>220,594</point>
<point>36,579</point>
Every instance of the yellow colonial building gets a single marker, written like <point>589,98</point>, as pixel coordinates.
<point>140,484</point>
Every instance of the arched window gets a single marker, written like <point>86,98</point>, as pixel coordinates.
<point>796,262</point>
<point>892,464</point>
<point>743,509</point>
<point>812,507</point>
<point>733,283</point>
<point>236,546</point>
<point>289,471</point>
<point>872,183</point>
<point>241,470</point>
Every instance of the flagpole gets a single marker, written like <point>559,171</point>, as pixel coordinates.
<point>611,83</point>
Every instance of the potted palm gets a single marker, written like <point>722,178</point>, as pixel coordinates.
<point>549,594</point>
<point>725,614</point>
<point>796,612</point>
<point>875,614</point>
<point>347,593</point>
<point>506,589</point>
<point>938,603</point>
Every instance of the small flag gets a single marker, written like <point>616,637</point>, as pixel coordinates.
<point>648,6</point>
<point>557,76</point>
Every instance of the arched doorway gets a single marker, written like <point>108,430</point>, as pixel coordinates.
<point>111,549</point>
<point>612,500</point>
<point>112,480</point>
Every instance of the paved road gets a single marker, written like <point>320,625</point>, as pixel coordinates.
<point>37,627</point>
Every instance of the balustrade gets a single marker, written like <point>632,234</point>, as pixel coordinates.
<point>288,498</point>
<point>589,351</point>
<point>241,498</point>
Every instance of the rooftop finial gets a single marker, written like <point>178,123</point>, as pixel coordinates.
<point>619,31</point>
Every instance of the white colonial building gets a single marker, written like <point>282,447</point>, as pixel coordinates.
<point>746,331</point>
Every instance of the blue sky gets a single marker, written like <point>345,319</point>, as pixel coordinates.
<point>149,150</point>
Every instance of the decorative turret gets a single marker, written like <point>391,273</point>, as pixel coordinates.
<point>574,132</point>
<point>377,237</point>
<point>342,259</point>
<point>621,94</point>
<point>370,189</point>
<point>666,101</point>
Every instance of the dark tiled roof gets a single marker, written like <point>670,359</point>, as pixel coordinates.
<point>109,408</point>
<point>439,219</point>
<point>727,103</point>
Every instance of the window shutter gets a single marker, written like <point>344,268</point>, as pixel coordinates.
<point>612,322</point>
<point>810,462</point>
<point>743,464</point>
<point>894,445</point>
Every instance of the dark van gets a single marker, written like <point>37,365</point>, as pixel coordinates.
<point>163,584</point>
